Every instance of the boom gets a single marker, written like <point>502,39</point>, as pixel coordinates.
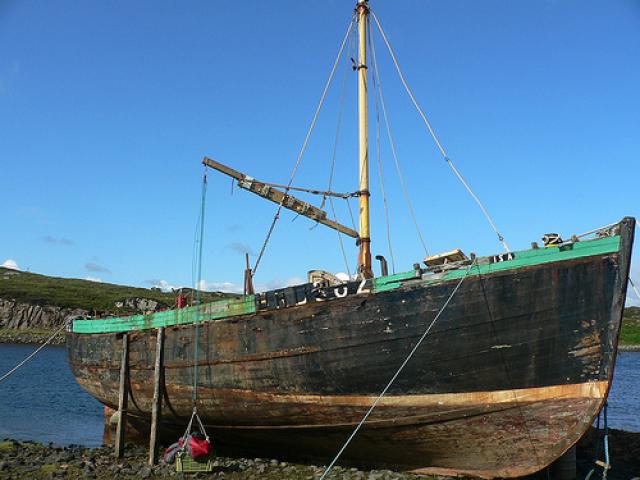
<point>276,196</point>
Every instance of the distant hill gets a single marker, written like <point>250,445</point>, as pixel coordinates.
<point>72,293</point>
<point>632,315</point>
<point>630,334</point>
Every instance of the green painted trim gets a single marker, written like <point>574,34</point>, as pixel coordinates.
<point>391,282</point>
<point>209,311</point>
<point>526,258</point>
<point>246,305</point>
<point>523,258</point>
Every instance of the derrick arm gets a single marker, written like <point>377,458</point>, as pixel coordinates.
<point>276,196</point>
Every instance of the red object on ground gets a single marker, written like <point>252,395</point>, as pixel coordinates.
<point>199,447</point>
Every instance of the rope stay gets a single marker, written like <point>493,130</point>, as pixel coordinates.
<point>35,352</point>
<point>505,365</point>
<point>198,286</point>
<point>385,204</point>
<point>313,191</point>
<point>435,137</point>
<point>395,376</point>
<point>392,145</point>
<point>306,141</point>
<point>633,286</point>
<point>606,465</point>
<point>333,163</point>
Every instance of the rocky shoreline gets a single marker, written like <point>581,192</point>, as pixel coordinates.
<point>20,460</point>
<point>29,337</point>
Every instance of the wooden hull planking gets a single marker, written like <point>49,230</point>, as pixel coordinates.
<point>510,377</point>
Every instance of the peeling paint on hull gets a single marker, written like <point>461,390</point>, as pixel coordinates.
<point>510,377</point>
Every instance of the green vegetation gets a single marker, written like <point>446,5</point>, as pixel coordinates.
<point>630,333</point>
<point>75,293</point>
<point>6,446</point>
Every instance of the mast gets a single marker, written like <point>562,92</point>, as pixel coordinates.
<point>364,257</point>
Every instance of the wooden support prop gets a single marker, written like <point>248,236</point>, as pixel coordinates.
<point>123,397</point>
<point>276,196</point>
<point>156,408</point>
<point>248,277</point>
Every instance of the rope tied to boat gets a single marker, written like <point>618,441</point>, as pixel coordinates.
<point>606,465</point>
<point>198,287</point>
<point>435,137</point>
<point>194,415</point>
<point>36,351</point>
<point>303,148</point>
<point>395,375</point>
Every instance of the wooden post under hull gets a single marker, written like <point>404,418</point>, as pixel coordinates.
<point>156,411</point>
<point>123,397</point>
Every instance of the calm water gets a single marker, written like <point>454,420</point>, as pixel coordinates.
<point>42,401</point>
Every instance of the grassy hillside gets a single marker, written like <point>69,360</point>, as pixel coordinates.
<point>75,293</point>
<point>630,334</point>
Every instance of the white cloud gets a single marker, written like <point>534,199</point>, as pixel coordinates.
<point>93,279</point>
<point>9,263</point>
<point>227,287</point>
<point>294,281</point>
<point>277,283</point>
<point>164,285</point>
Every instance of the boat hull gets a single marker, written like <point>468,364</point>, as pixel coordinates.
<point>510,376</point>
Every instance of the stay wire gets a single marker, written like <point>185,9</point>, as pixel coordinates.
<point>198,286</point>
<point>633,286</point>
<point>435,137</point>
<point>333,163</point>
<point>392,145</point>
<point>305,143</point>
<point>35,352</point>
<point>395,376</point>
<point>379,159</point>
<point>507,373</point>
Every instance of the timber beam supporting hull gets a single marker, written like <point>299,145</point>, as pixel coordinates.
<point>511,375</point>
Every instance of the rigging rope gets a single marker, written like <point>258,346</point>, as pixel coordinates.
<point>606,465</point>
<point>505,365</point>
<point>198,286</point>
<point>312,191</point>
<point>633,285</point>
<point>333,165</point>
<point>393,379</point>
<point>379,160</point>
<point>435,137</point>
<point>35,352</point>
<point>305,143</point>
<point>405,191</point>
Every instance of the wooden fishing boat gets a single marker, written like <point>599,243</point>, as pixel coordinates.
<point>518,360</point>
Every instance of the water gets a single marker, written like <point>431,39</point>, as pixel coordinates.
<point>624,398</point>
<point>43,402</point>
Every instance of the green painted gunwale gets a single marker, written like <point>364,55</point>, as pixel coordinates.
<point>246,305</point>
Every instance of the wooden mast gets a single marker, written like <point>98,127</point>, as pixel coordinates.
<point>364,257</point>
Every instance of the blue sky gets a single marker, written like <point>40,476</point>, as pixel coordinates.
<point>107,108</point>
